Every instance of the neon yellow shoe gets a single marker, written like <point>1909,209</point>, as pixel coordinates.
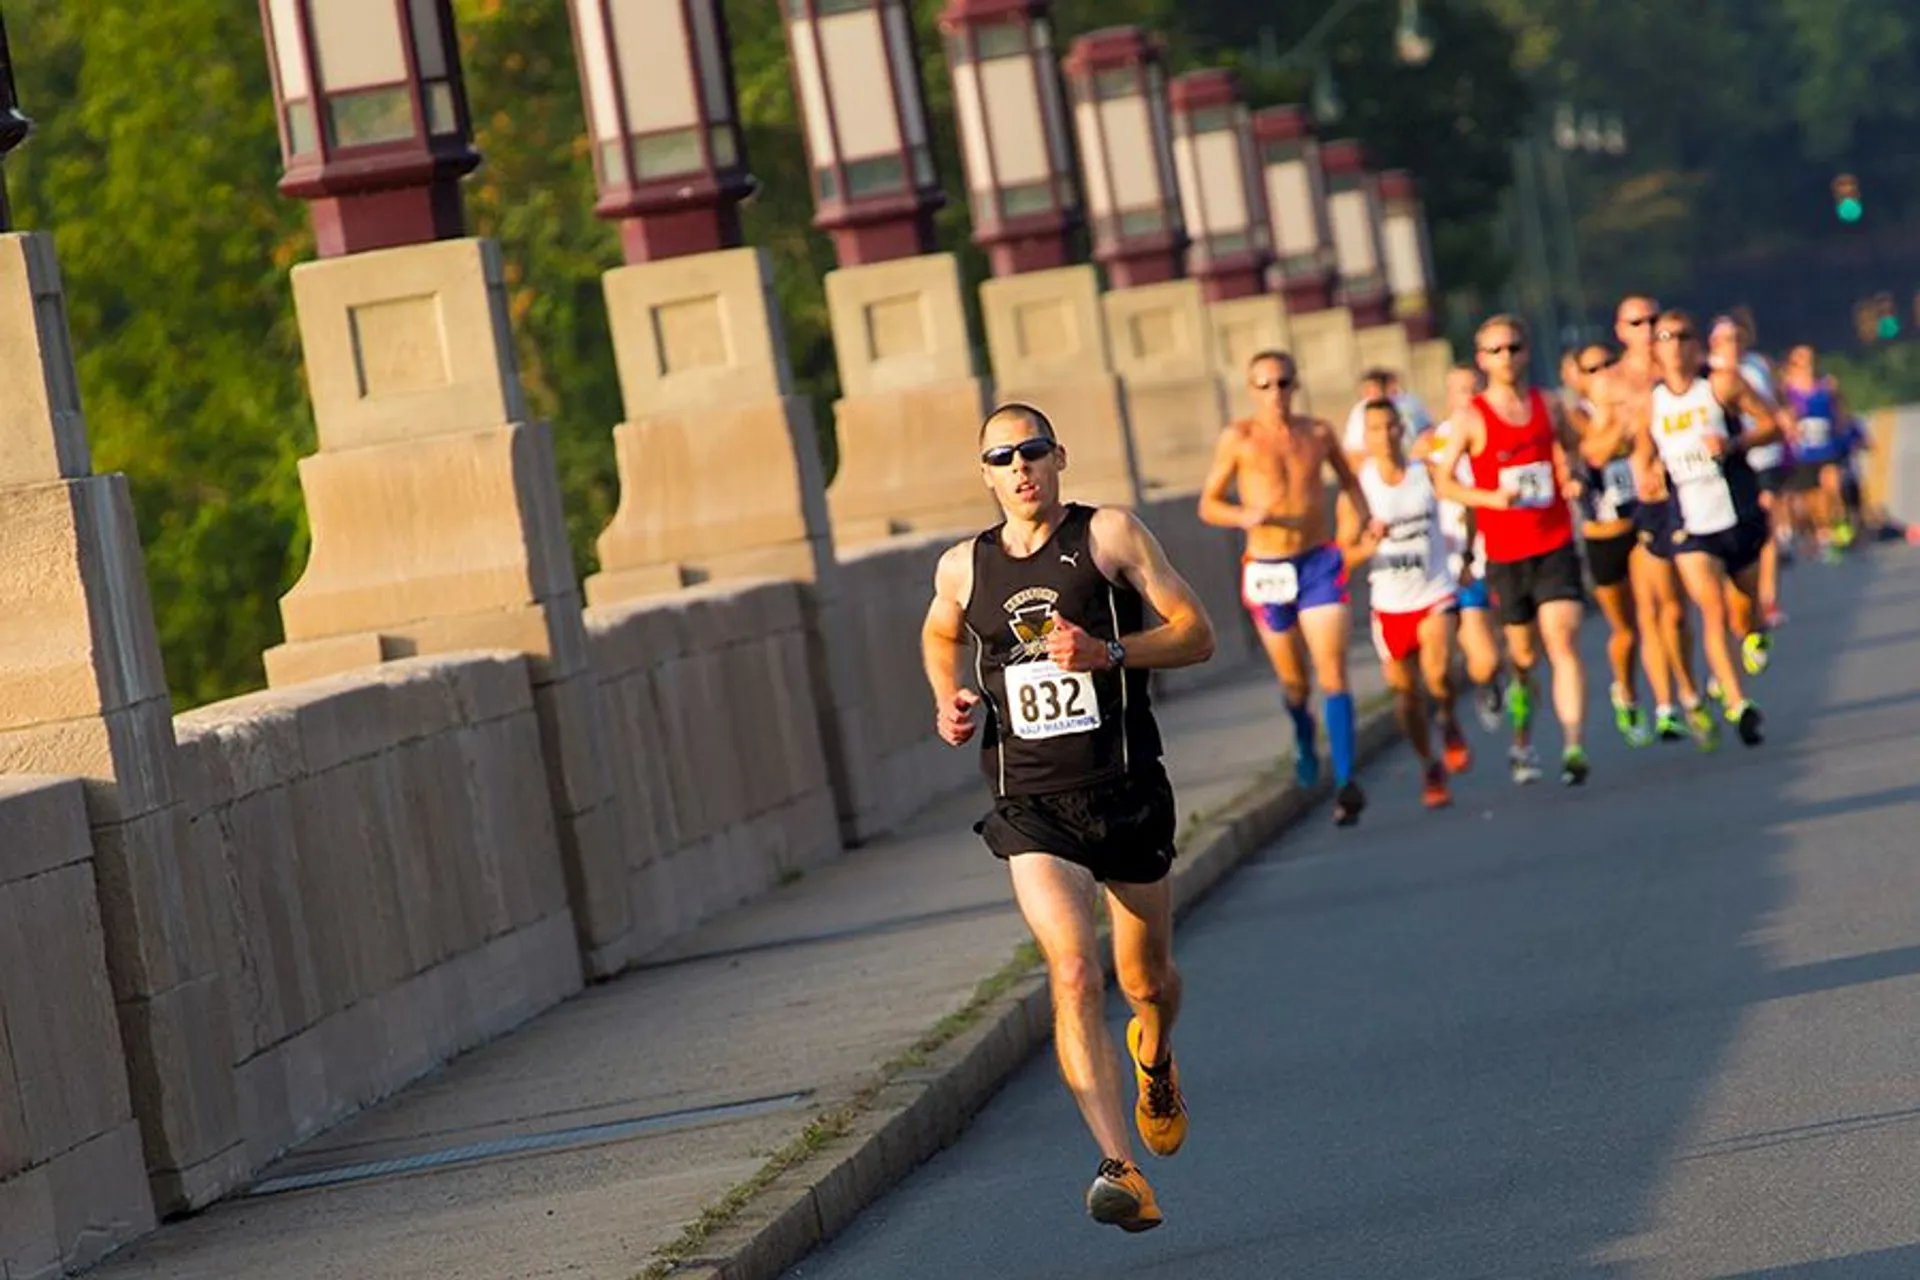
<point>1756,651</point>
<point>1161,1112</point>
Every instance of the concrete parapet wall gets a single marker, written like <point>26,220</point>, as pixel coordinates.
<point>73,1182</point>
<point>383,882</point>
<point>1209,559</point>
<point>710,708</point>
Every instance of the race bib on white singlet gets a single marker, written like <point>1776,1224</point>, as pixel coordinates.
<point>1617,489</point>
<point>1816,433</point>
<point>1531,484</point>
<point>1270,583</point>
<point>1706,503</point>
<point>1048,702</point>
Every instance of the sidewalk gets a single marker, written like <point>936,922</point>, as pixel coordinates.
<point>844,1024</point>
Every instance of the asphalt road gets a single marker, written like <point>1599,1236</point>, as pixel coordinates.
<point>1665,1026</point>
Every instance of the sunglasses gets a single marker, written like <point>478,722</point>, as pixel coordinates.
<point>1268,384</point>
<point>1595,368</point>
<point>1675,335</point>
<point>1512,348</point>
<point>1001,455</point>
<point>1637,321</point>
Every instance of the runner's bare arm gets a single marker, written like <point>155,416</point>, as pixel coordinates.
<point>1344,473</point>
<point>1647,473</point>
<point>1357,539</point>
<point>1215,508</point>
<point>1738,394</point>
<point>1566,447</point>
<point>1126,551</point>
<point>943,645</point>
<point>1606,427</point>
<point>1468,436</point>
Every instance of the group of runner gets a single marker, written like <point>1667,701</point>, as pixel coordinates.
<point>1044,629</point>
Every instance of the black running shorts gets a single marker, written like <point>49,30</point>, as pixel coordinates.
<point>1520,587</point>
<point>1805,476</point>
<point>1735,548</point>
<point>1120,830</point>
<point>1608,558</point>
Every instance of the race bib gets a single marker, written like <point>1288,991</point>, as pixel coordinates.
<point>1616,483</point>
<point>1047,702</point>
<point>1531,484</point>
<point>1402,560</point>
<point>1692,466</point>
<point>1270,582</point>
<point>1815,433</point>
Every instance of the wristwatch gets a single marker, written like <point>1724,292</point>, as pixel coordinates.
<point>1116,655</point>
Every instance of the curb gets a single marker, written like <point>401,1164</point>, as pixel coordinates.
<point>864,1145</point>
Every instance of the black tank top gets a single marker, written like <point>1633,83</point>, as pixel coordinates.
<point>1049,730</point>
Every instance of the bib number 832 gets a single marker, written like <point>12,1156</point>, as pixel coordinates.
<point>1049,702</point>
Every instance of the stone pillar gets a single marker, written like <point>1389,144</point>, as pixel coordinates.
<point>1163,349</point>
<point>911,402</point>
<point>83,692</point>
<point>435,511</point>
<point>1427,366</point>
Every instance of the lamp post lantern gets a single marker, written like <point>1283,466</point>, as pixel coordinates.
<point>1353,207</point>
<point>661,116</point>
<point>857,76</point>
<point>1221,194</point>
<point>1296,204</point>
<point>373,118</point>
<point>1409,248</point>
<point>13,125</point>
<point>1013,132</point>
<point>1116,80</point>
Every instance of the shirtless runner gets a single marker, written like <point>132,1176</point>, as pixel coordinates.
<point>1293,579</point>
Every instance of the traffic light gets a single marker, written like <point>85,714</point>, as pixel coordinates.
<point>1875,319</point>
<point>1846,198</point>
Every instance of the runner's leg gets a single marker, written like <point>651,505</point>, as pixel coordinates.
<point>1142,916</point>
<point>1287,653</point>
<point>1560,636</point>
<point>1706,583</point>
<point>1326,630</point>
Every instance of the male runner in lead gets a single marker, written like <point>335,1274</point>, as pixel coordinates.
<point>1294,575</point>
<point>1054,599</point>
<point>1518,444</point>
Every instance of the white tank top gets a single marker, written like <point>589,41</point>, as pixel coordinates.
<point>1681,425</point>
<point>1453,516</point>
<point>1409,572</point>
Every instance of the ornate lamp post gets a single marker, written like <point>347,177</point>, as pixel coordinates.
<point>857,77</point>
<point>373,118</point>
<point>667,151</point>
<point>1410,274</point>
<point>1353,207</point>
<point>1221,193</point>
<point>1116,79</point>
<point>1296,203</point>
<point>1013,132</point>
<point>13,125</point>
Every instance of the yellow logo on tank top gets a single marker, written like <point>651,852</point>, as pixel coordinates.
<point>1683,420</point>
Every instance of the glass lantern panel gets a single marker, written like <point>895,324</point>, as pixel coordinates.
<point>1131,156</point>
<point>1290,204</point>
<point>881,175</point>
<point>827,183</point>
<point>906,77</point>
<point>1207,119</point>
<point>973,127</point>
<point>666,155</point>
<point>1217,157</point>
<point>1142,222</point>
<point>858,78</point>
<point>1118,82</point>
<point>1222,245</point>
<point>289,49</point>
<point>1093,158</point>
<point>1013,114</point>
<point>1352,234</point>
<point>442,119</point>
<point>1406,270</point>
<point>725,148</point>
<point>429,47</point>
<point>302,136</point>
<point>1001,40</point>
<point>613,162</point>
<point>1193,197</point>
<point>712,60</point>
<point>357,44</point>
<point>813,95</point>
<point>655,58</point>
<point>370,116</point>
<point>596,59</point>
<point>826,7</point>
<point>1028,198</point>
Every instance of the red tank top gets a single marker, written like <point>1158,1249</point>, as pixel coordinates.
<point>1519,459</point>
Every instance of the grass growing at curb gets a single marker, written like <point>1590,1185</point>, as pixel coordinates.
<point>831,1125</point>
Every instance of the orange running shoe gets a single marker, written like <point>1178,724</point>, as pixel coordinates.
<point>1120,1197</point>
<point>1454,750</point>
<point>1161,1112</point>
<point>1435,795</point>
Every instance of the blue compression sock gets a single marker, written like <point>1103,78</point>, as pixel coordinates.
<point>1340,735</point>
<point>1304,729</point>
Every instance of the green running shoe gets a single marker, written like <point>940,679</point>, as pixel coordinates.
<point>1668,727</point>
<point>1573,766</point>
<point>1756,651</point>
<point>1630,721</point>
<point>1704,728</point>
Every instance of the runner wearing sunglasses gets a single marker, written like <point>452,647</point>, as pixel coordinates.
<point>1293,579</point>
<point>1622,396</point>
<point>1614,557</point>
<point>1729,346</point>
<point>1697,442</point>
<point>1054,601</point>
<point>1518,444</point>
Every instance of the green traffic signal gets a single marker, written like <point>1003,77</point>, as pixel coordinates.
<point>1849,209</point>
<point>1889,327</point>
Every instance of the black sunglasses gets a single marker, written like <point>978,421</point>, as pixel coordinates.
<point>1001,455</point>
<point>1675,335</point>
<point>1513,348</point>
<point>1637,321</point>
<point>1595,368</point>
<point>1267,384</point>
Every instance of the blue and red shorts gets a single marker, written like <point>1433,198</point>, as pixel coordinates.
<point>1318,578</point>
